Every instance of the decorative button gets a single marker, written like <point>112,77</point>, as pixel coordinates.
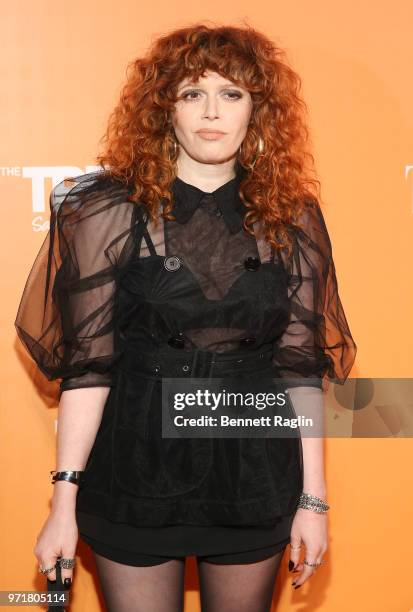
<point>172,263</point>
<point>185,368</point>
<point>252,263</point>
<point>177,341</point>
<point>156,368</point>
<point>218,213</point>
<point>248,341</point>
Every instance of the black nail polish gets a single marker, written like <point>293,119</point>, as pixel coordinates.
<point>290,565</point>
<point>298,586</point>
<point>67,583</point>
<point>51,580</point>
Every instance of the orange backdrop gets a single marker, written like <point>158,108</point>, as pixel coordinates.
<point>62,66</point>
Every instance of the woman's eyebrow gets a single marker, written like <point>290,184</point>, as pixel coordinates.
<point>193,84</point>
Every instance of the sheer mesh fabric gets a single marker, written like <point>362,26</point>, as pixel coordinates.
<point>127,588</point>
<point>223,588</point>
<point>317,341</point>
<point>67,315</point>
<point>238,587</point>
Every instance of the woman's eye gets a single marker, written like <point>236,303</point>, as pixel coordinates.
<point>186,95</point>
<point>236,94</point>
<point>191,95</point>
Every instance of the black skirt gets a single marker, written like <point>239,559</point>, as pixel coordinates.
<point>132,545</point>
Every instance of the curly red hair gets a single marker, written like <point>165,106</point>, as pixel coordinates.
<point>138,143</point>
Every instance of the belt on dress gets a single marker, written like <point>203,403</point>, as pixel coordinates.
<point>174,362</point>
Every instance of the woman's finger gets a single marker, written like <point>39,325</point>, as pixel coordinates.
<point>296,548</point>
<point>46,563</point>
<point>67,573</point>
<point>311,557</point>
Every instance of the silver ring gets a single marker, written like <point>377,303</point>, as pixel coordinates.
<point>67,563</point>
<point>312,564</point>
<point>46,570</point>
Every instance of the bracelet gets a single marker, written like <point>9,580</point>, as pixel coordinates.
<point>312,502</point>
<point>75,476</point>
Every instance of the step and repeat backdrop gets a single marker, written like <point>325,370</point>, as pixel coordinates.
<point>62,67</point>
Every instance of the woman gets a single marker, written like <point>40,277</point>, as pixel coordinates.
<point>199,250</point>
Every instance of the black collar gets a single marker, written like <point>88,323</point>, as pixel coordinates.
<point>187,198</point>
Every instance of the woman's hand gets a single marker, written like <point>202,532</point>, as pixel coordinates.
<point>309,529</point>
<point>57,538</point>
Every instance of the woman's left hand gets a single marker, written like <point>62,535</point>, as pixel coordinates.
<point>309,529</point>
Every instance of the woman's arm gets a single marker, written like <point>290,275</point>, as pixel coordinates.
<point>310,528</point>
<point>80,413</point>
<point>309,402</point>
<point>66,320</point>
<point>79,416</point>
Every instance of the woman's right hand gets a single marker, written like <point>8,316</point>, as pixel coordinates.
<point>57,538</point>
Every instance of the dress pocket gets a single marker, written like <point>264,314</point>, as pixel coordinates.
<point>145,463</point>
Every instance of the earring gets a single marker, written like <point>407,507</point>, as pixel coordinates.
<point>260,149</point>
<point>175,149</point>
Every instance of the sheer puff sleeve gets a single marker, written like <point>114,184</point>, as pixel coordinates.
<point>316,345</point>
<point>66,317</point>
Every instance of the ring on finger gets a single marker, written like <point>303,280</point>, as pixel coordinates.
<point>45,570</point>
<point>67,563</point>
<point>312,564</point>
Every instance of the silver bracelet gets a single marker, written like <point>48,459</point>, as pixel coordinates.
<point>74,476</point>
<point>312,502</point>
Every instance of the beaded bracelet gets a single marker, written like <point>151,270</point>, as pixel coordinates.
<point>312,502</point>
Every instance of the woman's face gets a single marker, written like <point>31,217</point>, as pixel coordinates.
<point>213,103</point>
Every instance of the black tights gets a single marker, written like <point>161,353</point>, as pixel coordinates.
<point>160,588</point>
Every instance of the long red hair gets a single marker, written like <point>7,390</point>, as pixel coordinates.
<point>138,143</point>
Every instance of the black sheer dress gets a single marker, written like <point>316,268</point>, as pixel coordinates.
<point>112,300</point>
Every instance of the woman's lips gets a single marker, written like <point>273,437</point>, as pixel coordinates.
<point>210,135</point>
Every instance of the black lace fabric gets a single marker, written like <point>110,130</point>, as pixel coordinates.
<point>70,315</point>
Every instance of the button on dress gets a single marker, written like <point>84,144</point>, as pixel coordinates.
<point>114,299</point>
